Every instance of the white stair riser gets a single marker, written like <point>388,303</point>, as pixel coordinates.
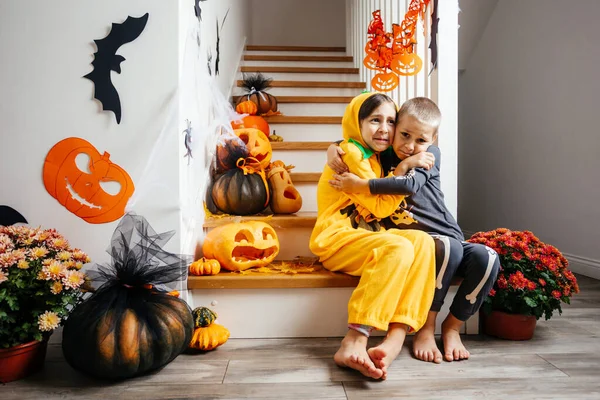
<point>285,313</point>
<point>334,64</point>
<point>293,242</point>
<point>297,76</point>
<point>308,132</point>
<point>304,160</point>
<point>314,109</point>
<point>296,53</point>
<point>308,191</point>
<point>299,91</point>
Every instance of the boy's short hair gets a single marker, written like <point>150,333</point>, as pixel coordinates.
<point>423,109</point>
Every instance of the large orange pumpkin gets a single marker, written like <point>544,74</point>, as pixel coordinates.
<point>252,121</point>
<point>258,145</point>
<point>81,192</point>
<point>239,246</point>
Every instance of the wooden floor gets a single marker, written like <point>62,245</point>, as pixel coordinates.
<point>561,362</point>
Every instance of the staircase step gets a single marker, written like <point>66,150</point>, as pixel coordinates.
<point>313,109</point>
<point>298,220</point>
<point>305,176</point>
<point>320,278</point>
<point>308,133</point>
<point>309,99</point>
<point>300,70</point>
<point>251,47</point>
<point>313,84</point>
<point>300,145</point>
<point>261,57</point>
<point>285,119</point>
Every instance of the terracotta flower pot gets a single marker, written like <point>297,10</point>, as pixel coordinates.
<point>22,360</point>
<point>508,326</point>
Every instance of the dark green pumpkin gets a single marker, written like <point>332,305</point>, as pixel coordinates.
<point>238,194</point>
<point>124,332</point>
<point>203,317</point>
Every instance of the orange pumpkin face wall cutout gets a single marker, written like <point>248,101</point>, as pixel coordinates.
<point>86,191</point>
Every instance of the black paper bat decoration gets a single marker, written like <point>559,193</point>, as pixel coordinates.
<point>10,216</point>
<point>197,9</point>
<point>106,60</point>
<point>433,39</point>
<point>218,39</point>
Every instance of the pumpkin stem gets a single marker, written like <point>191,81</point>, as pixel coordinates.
<point>105,156</point>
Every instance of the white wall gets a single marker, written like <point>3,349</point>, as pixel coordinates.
<point>473,18</point>
<point>528,122</point>
<point>298,22</point>
<point>45,54</point>
<point>46,49</point>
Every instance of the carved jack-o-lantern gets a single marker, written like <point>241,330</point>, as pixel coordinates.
<point>384,82</point>
<point>86,190</point>
<point>258,145</point>
<point>407,64</point>
<point>239,246</point>
<point>285,198</point>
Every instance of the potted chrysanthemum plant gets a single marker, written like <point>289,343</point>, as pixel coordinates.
<point>534,280</point>
<point>40,283</point>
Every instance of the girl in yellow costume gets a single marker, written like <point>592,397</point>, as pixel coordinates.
<point>396,267</point>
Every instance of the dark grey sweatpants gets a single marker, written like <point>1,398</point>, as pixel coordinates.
<point>476,264</point>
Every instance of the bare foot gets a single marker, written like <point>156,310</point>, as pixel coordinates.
<point>386,352</point>
<point>425,348</point>
<point>454,349</point>
<point>353,354</point>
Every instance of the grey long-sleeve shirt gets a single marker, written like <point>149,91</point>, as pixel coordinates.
<point>425,201</point>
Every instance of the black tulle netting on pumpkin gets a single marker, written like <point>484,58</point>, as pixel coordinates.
<point>138,257</point>
<point>129,326</point>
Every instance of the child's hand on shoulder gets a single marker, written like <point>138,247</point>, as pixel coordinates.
<point>334,159</point>
<point>423,160</point>
<point>349,183</point>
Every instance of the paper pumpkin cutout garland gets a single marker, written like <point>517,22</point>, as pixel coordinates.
<point>107,60</point>
<point>394,53</point>
<point>80,191</point>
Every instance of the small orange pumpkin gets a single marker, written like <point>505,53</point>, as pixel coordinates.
<point>258,145</point>
<point>247,107</point>
<point>239,246</point>
<point>252,121</point>
<point>209,338</point>
<point>205,266</point>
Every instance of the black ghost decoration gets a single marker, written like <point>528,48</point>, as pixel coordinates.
<point>433,38</point>
<point>106,60</point>
<point>10,216</point>
<point>217,46</point>
<point>197,9</point>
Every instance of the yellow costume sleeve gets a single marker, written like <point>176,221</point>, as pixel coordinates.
<point>382,205</point>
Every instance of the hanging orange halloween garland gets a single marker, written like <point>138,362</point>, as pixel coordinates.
<point>393,54</point>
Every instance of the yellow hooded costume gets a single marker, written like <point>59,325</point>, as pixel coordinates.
<point>397,267</point>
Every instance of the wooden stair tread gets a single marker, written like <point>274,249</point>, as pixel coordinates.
<point>285,119</point>
<point>254,47</point>
<point>299,219</point>
<point>319,278</point>
<point>300,145</point>
<point>305,176</point>
<point>300,70</point>
<point>258,57</point>
<point>309,99</point>
<point>313,84</point>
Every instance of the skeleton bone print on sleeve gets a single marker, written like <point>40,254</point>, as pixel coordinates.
<point>440,276</point>
<point>492,255</point>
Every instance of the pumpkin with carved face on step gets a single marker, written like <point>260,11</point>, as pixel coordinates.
<point>83,190</point>
<point>239,246</point>
<point>285,198</point>
<point>258,146</point>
